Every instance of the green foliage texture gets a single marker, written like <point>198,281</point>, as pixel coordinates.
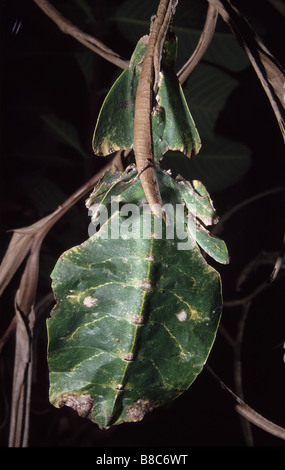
<point>138,306</point>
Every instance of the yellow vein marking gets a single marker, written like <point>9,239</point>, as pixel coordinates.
<point>194,314</point>
<point>173,337</point>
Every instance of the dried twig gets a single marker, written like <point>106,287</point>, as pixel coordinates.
<point>268,70</point>
<point>279,262</point>
<point>238,370</point>
<point>86,39</point>
<point>279,5</point>
<point>20,409</point>
<point>202,46</point>
<point>219,226</point>
<point>249,413</point>
<point>101,49</point>
<point>30,239</point>
<point>255,418</point>
<point>238,302</point>
<point>263,258</point>
<point>146,91</point>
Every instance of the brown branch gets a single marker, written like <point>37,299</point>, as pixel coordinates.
<point>255,418</point>
<point>249,413</point>
<point>29,240</point>
<point>267,68</point>
<point>24,317</point>
<point>238,371</point>
<point>101,49</point>
<point>219,226</point>
<point>202,46</point>
<point>146,91</point>
<point>22,379</point>
<point>86,39</point>
<point>279,261</point>
<point>263,258</point>
<point>279,5</point>
<point>236,302</point>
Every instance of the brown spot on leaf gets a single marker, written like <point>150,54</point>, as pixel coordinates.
<point>98,150</point>
<point>139,408</point>
<point>82,404</point>
<point>125,104</point>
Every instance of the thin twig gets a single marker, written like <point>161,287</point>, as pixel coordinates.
<point>249,413</point>
<point>262,259</point>
<point>226,335</point>
<point>255,418</point>
<point>25,314</point>
<point>237,302</point>
<point>219,226</point>
<point>279,261</point>
<point>40,229</point>
<point>101,49</point>
<point>267,68</point>
<point>279,5</point>
<point>262,287</point>
<point>238,370</point>
<point>20,406</point>
<point>86,39</point>
<point>145,94</point>
<point>202,46</point>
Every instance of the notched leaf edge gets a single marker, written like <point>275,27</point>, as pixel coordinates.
<point>82,404</point>
<point>137,410</point>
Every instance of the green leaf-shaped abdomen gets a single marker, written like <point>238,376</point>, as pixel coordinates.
<point>135,319</point>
